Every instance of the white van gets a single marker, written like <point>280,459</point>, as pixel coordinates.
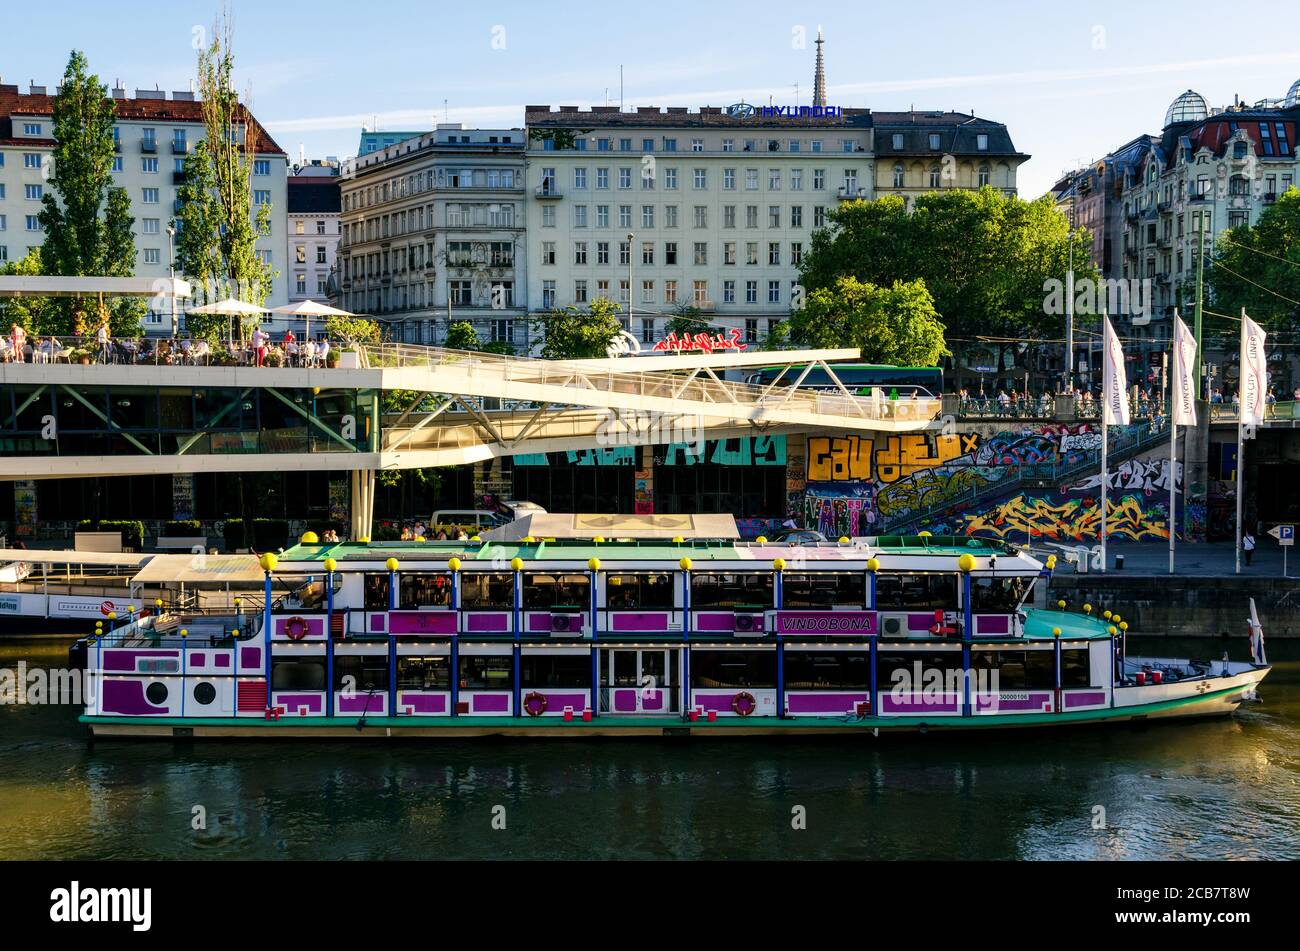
<point>475,519</point>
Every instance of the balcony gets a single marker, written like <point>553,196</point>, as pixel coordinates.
<point>148,147</point>
<point>178,178</point>
<point>180,147</point>
<point>548,190</point>
<point>1269,198</point>
<point>1164,242</point>
<point>850,193</point>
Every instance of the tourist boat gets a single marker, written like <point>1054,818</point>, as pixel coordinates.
<point>561,632</point>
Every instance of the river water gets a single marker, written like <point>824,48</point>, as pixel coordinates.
<point>1225,788</point>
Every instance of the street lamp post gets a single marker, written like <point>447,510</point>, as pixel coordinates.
<point>630,261</point>
<point>171,270</point>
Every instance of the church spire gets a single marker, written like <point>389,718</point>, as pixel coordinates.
<point>819,79</point>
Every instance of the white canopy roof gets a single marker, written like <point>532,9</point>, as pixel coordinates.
<point>664,527</point>
<point>309,308</point>
<point>231,307</point>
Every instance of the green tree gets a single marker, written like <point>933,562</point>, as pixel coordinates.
<point>1258,267</point>
<point>352,330</point>
<point>36,315</point>
<point>574,334</point>
<point>217,222</point>
<point>896,324</point>
<point>86,219</point>
<point>689,320</point>
<point>461,336</point>
<point>986,258</point>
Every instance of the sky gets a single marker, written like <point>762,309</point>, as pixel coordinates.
<point>1070,80</point>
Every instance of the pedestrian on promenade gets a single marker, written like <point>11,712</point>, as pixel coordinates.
<point>259,345</point>
<point>1248,546</point>
<point>19,337</point>
<point>103,338</point>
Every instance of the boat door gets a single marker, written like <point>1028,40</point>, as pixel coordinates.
<point>639,681</point>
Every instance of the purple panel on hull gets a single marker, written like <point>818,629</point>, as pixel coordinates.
<point>625,701</point>
<point>295,703</point>
<point>315,626</point>
<point>378,623</point>
<point>490,703</point>
<point>221,660</point>
<point>920,704</point>
<point>826,622</point>
<point>422,622</point>
<point>539,622</point>
<point>715,622</point>
<point>362,703</point>
<point>422,704</point>
<point>653,700</point>
<point>640,621</point>
<point>716,701</point>
<point>1029,703</point>
<point>198,658</point>
<point>1091,698</point>
<point>992,624</point>
<point>250,657</point>
<point>920,622</point>
<point>487,623</point>
<point>824,702</point>
<point>556,701</point>
<point>124,660</point>
<point>126,697</point>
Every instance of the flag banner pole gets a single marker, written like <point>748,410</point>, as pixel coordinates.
<point>1114,410</point>
<point>1182,412</point>
<point>1252,396</point>
<point>1173,491</point>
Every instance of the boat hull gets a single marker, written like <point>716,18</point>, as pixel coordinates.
<point>1218,697</point>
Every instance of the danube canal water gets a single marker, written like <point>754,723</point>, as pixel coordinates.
<point>1226,788</point>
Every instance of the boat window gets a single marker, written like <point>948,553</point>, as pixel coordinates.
<point>377,592</point>
<point>713,591</point>
<point>915,670</point>
<point>996,595</point>
<point>631,592</point>
<point>298,674</point>
<point>361,674</point>
<point>555,670</point>
<point>1016,670</point>
<point>1075,669</point>
<point>545,592</point>
<point>822,590</point>
<point>487,672</point>
<point>916,592</point>
<point>714,669</point>
<point>841,669</point>
<point>486,591</point>
<point>424,590</point>
<point>423,673</point>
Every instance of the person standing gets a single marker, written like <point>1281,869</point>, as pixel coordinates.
<point>103,338</point>
<point>1247,546</point>
<point>19,337</point>
<point>259,345</point>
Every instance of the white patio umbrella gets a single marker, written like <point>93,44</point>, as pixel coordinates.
<point>230,307</point>
<point>308,309</point>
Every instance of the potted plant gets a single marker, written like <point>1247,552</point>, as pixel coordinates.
<point>80,355</point>
<point>332,359</point>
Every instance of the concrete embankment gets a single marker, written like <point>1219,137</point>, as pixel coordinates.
<point>1184,606</point>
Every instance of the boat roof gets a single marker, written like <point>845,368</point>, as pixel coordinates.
<point>639,527</point>
<point>900,553</point>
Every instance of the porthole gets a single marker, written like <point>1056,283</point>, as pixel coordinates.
<point>204,693</point>
<point>156,693</point>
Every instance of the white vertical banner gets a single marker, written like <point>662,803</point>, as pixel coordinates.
<point>1253,394</point>
<point>1114,384</point>
<point>1183,390</point>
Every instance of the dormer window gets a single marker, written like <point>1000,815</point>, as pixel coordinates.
<point>898,141</point>
<point>934,141</point>
<point>982,142</point>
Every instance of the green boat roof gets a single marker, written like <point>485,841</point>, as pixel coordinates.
<point>582,550</point>
<point>1040,624</point>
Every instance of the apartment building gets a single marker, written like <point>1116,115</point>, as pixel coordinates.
<point>671,210</point>
<point>920,152</point>
<point>432,233</point>
<point>153,133</point>
<point>313,206</point>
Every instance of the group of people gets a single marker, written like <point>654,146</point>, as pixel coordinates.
<point>420,532</point>
<point>20,347</point>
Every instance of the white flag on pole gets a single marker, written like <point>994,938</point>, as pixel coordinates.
<point>1253,394</point>
<point>1256,637</point>
<point>1184,386</point>
<point>1114,393</point>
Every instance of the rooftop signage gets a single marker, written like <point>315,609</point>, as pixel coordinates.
<point>744,110</point>
<point>701,342</point>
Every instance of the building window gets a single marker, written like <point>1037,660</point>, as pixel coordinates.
<point>934,176</point>
<point>34,192</point>
<point>934,141</point>
<point>548,294</point>
<point>647,330</point>
<point>751,292</point>
<point>625,216</point>
<point>602,216</point>
<point>149,196</point>
<point>982,142</point>
<point>149,166</point>
<point>774,292</point>
<point>602,178</point>
<point>670,178</point>
<point>580,252</point>
<point>751,330</point>
<point>647,292</point>
<point>796,253</point>
<point>728,292</point>
<point>647,252</point>
<point>897,141</point>
<point>898,176</point>
<point>670,292</point>
<point>670,252</point>
<point>548,252</point>
<point>602,252</point>
<point>33,223</point>
<point>262,167</point>
<point>983,178</point>
<point>774,216</point>
<point>728,179</point>
<point>261,196</point>
<point>796,216</point>
<point>701,293</point>
<point>647,216</point>
<point>774,253</point>
<point>729,252</point>
<point>625,178</point>
<point>701,253</point>
<point>580,292</point>
<point>701,216</point>
<point>624,253</point>
<point>31,128</point>
<point>701,178</point>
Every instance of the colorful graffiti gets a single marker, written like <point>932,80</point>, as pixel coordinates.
<point>973,484</point>
<point>1072,519</point>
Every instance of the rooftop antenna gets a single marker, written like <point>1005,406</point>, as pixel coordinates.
<point>796,95</point>
<point>620,88</point>
<point>446,113</point>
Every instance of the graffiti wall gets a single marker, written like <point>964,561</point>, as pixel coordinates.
<point>1038,482</point>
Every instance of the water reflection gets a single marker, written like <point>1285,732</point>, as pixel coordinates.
<point>1221,788</point>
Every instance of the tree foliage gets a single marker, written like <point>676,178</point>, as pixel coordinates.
<point>461,335</point>
<point>352,330</point>
<point>896,324</point>
<point>86,218</point>
<point>217,224</point>
<point>575,334</point>
<point>1258,267</point>
<point>984,256</point>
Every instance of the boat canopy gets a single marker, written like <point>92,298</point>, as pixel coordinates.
<point>587,527</point>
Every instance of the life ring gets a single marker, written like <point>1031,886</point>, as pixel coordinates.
<point>295,628</point>
<point>535,704</point>
<point>743,704</point>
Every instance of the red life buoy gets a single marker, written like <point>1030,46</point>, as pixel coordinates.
<point>535,704</point>
<point>743,704</point>
<point>295,628</point>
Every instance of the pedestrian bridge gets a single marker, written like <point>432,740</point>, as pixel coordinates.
<point>452,407</point>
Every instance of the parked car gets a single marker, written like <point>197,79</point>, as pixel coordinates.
<point>798,536</point>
